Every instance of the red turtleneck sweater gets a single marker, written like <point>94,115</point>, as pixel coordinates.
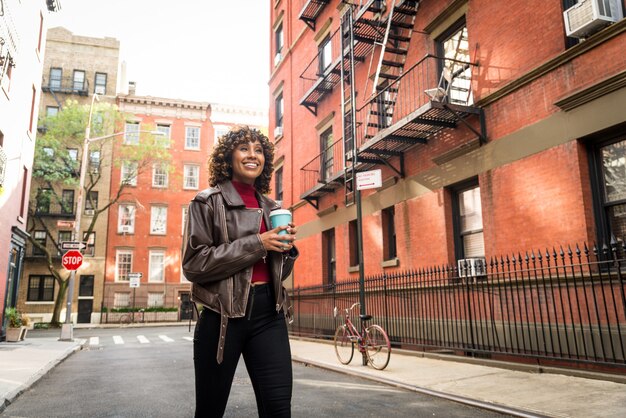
<point>260,273</point>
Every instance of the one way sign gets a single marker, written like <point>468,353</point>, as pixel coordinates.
<point>73,245</point>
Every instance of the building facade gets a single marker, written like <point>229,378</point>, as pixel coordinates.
<point>496,129</point>
<point>22,44</point>
<point>75,68</point>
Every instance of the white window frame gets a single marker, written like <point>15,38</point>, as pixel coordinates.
<point>159,171</point>
<point>151,265</point>
<point>119,253</point>
<point>128,167</point>
<point>165,139</point>
<point>220,130</point>
<point>118,296</point>
<point>131,133</point>
<point>120,217</point>
<point>185,211</point>
<point>192,145</point>
<point>186,177</point>
<point>156,212</point>
<point>156,299</point>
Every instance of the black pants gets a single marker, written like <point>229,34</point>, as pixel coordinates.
<point>261,336</point>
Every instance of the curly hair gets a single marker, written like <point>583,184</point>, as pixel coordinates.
<point>220,161</point>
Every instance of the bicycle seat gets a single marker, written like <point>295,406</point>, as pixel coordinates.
<point>365,317</point>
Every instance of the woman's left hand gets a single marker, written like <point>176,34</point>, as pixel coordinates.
<point>272,241</point>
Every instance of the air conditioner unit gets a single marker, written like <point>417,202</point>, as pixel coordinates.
<point>278,131</point>
<point>472,267</point>
<point>89,212</point>
<point>277,58</point>
<point>589,16</point>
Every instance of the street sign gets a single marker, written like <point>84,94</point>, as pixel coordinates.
<point>73,245</point>
<point>369,179</point>
<point>135,279</point>
<point>72,260</point>
<point>65,224</point>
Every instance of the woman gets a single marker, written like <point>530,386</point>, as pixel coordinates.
<point>237,265</point>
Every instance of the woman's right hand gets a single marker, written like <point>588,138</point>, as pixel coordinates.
<point>274,242</point>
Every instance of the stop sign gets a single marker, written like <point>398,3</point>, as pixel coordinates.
<point>72,260</point>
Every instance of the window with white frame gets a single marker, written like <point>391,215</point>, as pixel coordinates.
<point>157,266</point>
<point>126,219</point>
<point>129,173</point>
<point>164,139</point>
<point>52,111</point>
<point>131,133</point>
<point>121,300</point>
<point>191,176</point>
<point>159,175</point>
<point>279,106</point>
<point>123,265</point>
<point>220,130</point>
<point>192,137</point>
<point>79,80</point>
<point>184,222</point>
<point>158,220</point>
<point>100,83</point>
<point>155,299</point>
<point>325,55</point>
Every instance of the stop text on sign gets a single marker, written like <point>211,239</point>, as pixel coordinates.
<point>72,260</point>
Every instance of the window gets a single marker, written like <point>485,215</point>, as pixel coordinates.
<point>278,184</point>
<point>100,84</point>
<point>91,203</point>
<point>64,236</point>
<point>192,137</point>
<point>158,220</point>
<point>126,219</point>
<point>190,177</point>
<point>278,43</point>
<point>329,274</point>
<point>32,109</point>
<point>73,154</point>
<point>121,300</point>
<point>184,219</point>
<point>43,198</point>
<point>39,38</point>
<point>353,243</point>
<point>40,288</point>
<point>78,82</point>
<point>325,55</point>
<point>129,173</point>
<point>164,139</point>
<point>131,133</point>
<point>389,233</point>
<point>220,130</point>
<point>454,46</point>
<point>326,145</point>
<point>24,200</point>
<point>94,161</point>
<point>123,265</point>
<point>56,77</point>
<point>159,175</point>
<point>468,221</point>
<point>85,286</point>
<point>157,266</point>
<point>52,111</point>
<point>279,104</point>
<point>67,202</point>
<point>155,299</point>
<point>41,237</point>
<point>91,243</point>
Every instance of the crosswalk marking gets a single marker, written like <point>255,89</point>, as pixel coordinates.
<point>188,338</point>
<point>142,339</point>
<point>117,339</point>
<point>94,341</point>
<point>166,338</point>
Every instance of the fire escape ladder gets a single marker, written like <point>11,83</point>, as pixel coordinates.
<point>348,110</point>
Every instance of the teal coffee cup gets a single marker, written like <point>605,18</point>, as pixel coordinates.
<point>280,217</point>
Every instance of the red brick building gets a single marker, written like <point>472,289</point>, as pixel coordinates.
<point>497,127</point>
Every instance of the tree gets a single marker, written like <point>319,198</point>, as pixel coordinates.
<point>56,166</point>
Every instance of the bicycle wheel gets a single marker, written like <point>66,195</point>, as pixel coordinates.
<point>125,319</point>
<point>377,347</point>
<point>344,347</point>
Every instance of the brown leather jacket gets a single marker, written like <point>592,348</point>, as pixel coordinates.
<point>221,246</point>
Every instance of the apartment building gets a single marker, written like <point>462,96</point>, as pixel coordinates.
<point>75,68</point>
<point>497,128</point>
<point>22,44</point>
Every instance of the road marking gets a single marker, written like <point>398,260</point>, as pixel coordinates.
<point>118,339</point>
<point>188,338</point>
<point>143,340</point>
<point>166,338</point>
<point>94,341</point>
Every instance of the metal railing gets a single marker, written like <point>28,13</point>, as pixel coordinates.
<point>65,85</point>
<point>56,209</point>
<point>561,306</point>
<point>326,166</point>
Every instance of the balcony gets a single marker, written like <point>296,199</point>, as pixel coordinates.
<point>323,174</point>
<point>56,210</point>
<point>311,9</point>
<point>65,85</point>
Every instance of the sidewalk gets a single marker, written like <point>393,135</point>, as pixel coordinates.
<point>515,392</point>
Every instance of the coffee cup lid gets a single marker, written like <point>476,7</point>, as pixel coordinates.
<point>280,212</point>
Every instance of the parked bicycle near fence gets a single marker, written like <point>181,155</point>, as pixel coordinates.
<point>372,340</point>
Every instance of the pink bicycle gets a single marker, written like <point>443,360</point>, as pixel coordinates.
<point>371,341</point>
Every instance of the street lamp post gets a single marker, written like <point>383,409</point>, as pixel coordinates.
<point>67,332</point>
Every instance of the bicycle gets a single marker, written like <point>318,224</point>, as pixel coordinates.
<point>372,341</point>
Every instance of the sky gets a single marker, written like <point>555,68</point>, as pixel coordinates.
<point>202,50</point>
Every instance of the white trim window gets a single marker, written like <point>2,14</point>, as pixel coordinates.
<point>121,300</point>
<point>191,176</point>
<point>155,299</point>
<point>192,137</point>
<point>131,133</point>
<point>158,220</point>
<point>164,139</point>
<point>123,265</point>
<point>184,219</point>
<point>220,130</point>
<point>156,266</point>
<point>126,219</point>
<point>128,173</point>
<point>159,175</point>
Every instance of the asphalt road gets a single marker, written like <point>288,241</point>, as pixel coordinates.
<point>148,372</point>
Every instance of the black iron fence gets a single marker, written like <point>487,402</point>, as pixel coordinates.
<point>558,306</point>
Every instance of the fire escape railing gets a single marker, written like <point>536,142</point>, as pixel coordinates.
<point>65,85</point>
<point>323,173</point>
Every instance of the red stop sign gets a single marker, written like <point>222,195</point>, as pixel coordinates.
<point>72,260</point>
